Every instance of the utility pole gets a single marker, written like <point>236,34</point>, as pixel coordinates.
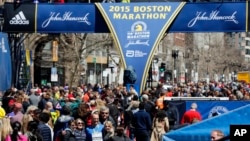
<point>175,54</point>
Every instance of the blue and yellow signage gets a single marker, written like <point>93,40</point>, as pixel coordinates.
<point>137,29</point>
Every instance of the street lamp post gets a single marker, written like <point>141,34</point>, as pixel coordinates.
<point>175,56</point>
<point>186,79</point>
<point>196,59</point>
<point>207,61</point>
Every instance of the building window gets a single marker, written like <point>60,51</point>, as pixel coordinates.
<point>247,52</point>
<point>247,43</point>
<point>247,59</point>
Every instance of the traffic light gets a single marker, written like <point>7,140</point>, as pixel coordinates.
<point>163,67</point>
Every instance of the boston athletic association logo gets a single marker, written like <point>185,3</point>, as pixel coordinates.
<point>139,35</point>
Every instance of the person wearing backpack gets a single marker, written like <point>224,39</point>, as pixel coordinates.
<point>62,122</point>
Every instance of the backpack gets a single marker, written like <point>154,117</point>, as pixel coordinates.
<point>54,115</point>
<point>58,128</point>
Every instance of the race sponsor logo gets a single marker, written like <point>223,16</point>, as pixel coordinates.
<point>213,16</point>
<point>19,19</point>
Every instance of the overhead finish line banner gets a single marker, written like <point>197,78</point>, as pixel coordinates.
<point>86,18</point>
<point>137,29</point>
<point>211,17</point>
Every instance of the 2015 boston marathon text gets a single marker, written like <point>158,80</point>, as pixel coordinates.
<point>139,12</point>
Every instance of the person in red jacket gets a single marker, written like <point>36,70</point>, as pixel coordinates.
<point>192,115</point>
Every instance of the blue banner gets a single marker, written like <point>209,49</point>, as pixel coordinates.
<point>211,17</point>
<point>134,29</point>
<point>72,18</point>
<point>5,63</point>
<point>209,109</point>
<point>201,130</point>
<point>79,18</point>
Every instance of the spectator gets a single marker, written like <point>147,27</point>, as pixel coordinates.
<point>104,116</point>
<point>56,94</point>
<point>2,111</point>
<point>169,93</point>
<point>113,108</point>
<point>94,132</point>
<point>22,98</point>
<point>35,114</point>
<point>45,98</point>
<point>120,136</point>
<point>172,114</point>
<point>108,131</point>
<point>124,97</point>
<point>34,97</point>
<point>191,115</point>
<point>16,135</point>
<point>86,96</point>
<point>160,126</point>
<point>32,132</point>
<point>149,106</point>
<point>18,115</point>
<point>132,90</point>
<point>27,117</point>
<point>128,117</point>
<point>43,128</point>
<point>216,135</point>
<point>8,100</point>
<point>159,89</point>
<point>159,102</point>
<point>62,121</point>
<point>69,132</point>
<point>79,132</point>
<point>83,112</point>
<point>7,130</point>
<point>142,124</point>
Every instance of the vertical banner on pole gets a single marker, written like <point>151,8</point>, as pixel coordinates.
<point>137,29</point>
<point>54,51</point>
<point>5,63</point>
<point>27,53</point>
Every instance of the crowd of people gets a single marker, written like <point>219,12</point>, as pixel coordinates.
<point>100,113</point>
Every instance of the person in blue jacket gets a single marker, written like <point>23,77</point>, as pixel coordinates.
<point>94,132</point>
<point>142,124</point>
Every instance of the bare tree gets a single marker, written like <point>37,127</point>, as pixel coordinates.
<point>76,49</point>
<point>217,56</point>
